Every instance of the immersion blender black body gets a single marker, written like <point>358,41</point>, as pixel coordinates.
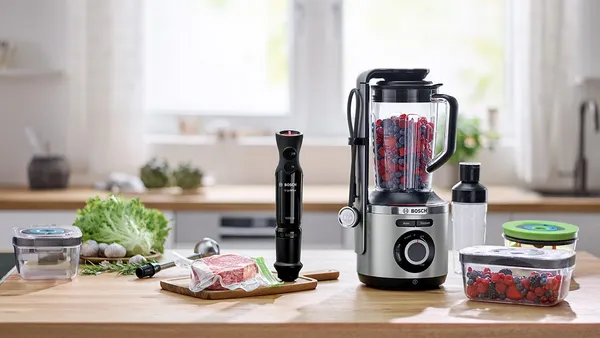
<point>288,185</point>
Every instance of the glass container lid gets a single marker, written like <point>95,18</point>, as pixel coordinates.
<point>47,236</point>
<point>518,257</point>
<point>543,231</point>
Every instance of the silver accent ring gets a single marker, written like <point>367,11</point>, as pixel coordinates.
<point>439,208</point>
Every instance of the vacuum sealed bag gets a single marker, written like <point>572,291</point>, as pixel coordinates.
<point>228,272</point>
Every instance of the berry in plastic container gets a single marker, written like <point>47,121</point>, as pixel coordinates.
<point>526,276</point>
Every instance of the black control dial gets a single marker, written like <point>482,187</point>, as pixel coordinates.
<point>414,251</point>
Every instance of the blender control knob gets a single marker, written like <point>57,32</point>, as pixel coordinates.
<point>348,217</point>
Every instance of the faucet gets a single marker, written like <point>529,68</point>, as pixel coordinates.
<point>580,175</point>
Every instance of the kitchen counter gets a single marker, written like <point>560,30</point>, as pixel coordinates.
<point>262,198</point>
<point>111,306</point>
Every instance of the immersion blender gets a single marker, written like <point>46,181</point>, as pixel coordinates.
<point>288,185</point>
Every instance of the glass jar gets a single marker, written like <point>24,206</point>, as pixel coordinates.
<point>404,118</point>
<point>516,275</point>
<point>540,234</point>
<point>47,252</point>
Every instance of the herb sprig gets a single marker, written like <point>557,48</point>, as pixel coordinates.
<point>119,267</point>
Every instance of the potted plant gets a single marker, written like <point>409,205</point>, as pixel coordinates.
<point>470,138</point>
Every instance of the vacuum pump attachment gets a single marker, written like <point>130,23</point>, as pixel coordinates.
<point>206,247</point>
<point>288,187</point>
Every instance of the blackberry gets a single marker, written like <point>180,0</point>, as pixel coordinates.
<point>535,280</point>
<point>505,271</point>
<point>470,282</point>
<point>517,280</point>
<point>492,294</point>
<point>548,293</point>
<point>536,300</point>
<point>474,274</point>
<point>502,296</point>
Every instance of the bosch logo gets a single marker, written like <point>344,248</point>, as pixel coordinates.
<point>405,211</point>
<point>290,184</point>
<point>280,184</point>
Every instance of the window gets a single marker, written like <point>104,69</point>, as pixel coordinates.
<point>282,63</point>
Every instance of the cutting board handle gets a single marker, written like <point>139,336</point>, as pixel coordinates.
<point>322,275</point>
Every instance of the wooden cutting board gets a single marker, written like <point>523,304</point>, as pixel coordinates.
<point>303,283</point>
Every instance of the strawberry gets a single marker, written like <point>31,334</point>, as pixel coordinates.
<point>508,279</point>
<point>472,291</point>
<point>558,277</point>
<point>513,293</point>
<point>500,288</point>
<point>525,282</point>
<point>478,280</point>
<point>403,116</point>
<point>378,122</point>
<point>539,291</point>
<point>530,296</point>
<point>495,277</point>
<point>482,288</point>
<point>381,151</point>
<point>402,151</point>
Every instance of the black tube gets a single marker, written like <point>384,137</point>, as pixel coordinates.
<point>288,199</point>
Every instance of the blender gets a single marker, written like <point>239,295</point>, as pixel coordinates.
<point>401,227</point>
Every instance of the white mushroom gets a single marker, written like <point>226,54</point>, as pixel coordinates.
<point>101,248</point>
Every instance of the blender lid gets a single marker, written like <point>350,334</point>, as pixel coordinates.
<point>540,230</point>
<point>47,236</point>
<point>407,85</point>
<point>518,257</point>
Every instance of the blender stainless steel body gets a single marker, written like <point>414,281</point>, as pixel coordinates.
<point>401,227</point>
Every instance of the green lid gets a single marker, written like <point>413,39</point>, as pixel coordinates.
<point>540,230</point>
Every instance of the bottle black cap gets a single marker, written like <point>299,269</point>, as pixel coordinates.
<point>469,172</point>
<point>469,190</point>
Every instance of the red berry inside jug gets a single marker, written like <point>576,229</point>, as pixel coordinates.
<point>402,149</point>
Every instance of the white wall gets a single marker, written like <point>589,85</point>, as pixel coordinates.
<point>38,29</point>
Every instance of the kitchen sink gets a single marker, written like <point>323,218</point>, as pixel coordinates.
<point>567,193</point>
<point>7,262</point>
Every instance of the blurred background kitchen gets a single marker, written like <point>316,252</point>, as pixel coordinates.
<point>98,93</point>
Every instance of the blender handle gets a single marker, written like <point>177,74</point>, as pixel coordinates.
<point>450,133</point>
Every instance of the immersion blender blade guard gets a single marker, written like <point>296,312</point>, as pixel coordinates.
<point>288,185</point>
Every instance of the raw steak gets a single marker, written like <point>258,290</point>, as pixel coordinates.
<point>231,268</point>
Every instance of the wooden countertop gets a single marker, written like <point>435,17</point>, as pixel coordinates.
<point>262,198</point>
<point>111,306</point>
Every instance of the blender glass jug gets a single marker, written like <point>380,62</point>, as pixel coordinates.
<point>404,118</point>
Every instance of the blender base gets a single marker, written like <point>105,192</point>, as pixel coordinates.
<point>402,284</point>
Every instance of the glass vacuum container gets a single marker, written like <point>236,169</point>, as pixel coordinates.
<point>401,224</point>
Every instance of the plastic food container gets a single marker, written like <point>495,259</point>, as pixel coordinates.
<point>47,252</point>
<point>526,276</point>
<point>541,235</point>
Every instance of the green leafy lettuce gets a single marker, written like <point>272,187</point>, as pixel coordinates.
<point>125,221</point>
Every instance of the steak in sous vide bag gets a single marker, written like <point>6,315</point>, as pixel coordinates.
<point>230,272</point>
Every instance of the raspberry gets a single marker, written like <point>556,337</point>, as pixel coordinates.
<point>486,270</point>
<point>538,291</point>
<point>501,275</point>
<point>530,296</point>
<point>478,280</point>
<point>544,299</point>
<point>508,279</point>
<point>558,277</point>
<point>525,283</point>
<point>551,299</point>
<point>495,277</point>
<point>469,269</point>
